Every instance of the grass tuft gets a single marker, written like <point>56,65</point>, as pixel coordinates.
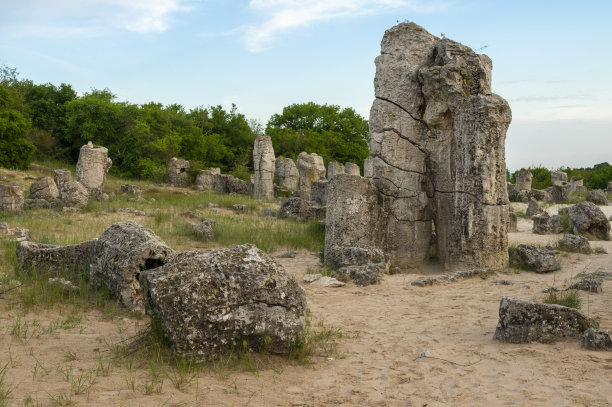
<point>566,298</point>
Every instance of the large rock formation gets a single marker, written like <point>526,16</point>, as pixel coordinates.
<point>11,197</point>
<point>318,191</point>
<point>558,177</point>
<point>44,188</point>
<point>334,168</point>
<point>206,180</point>
<point>61,176</point>
<point>561,191</point>
<point>92,167</point>
<point>598,197</point>
<point>301,209</point>
<point>587,219</point>
<point>523,179</point>
<point>352,169</point>
<point>123,252</point>
<point>576,183</point>
<point>526,321</point>
<point>368,168</point>
<point>263,165</point>
<point>437,137</point>
<point>310,168</point>
<point>73,194</point>
<point>177,172</point>
<point>211,301</point>
<point>53,259</point>
<point>287,175</point>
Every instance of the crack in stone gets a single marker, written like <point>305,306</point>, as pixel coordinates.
<point>398,168</point>
<point>423,122</point>
<point>417,145</point>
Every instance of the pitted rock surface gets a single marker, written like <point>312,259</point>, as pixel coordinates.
<point>533,208</point>
<point>131,189</point>
<point>302,209</point>
<point>44,188</point>
<point>533,258</point>
<point>597,339</point>
<point>352,169</point>
<point>210,301</point>
<point>73,194</point>
<point>206,180</point>
<point>598,197</point>
<point>561,192</point>
<point>318,191</point>
<point>11,197</point>
<point>544,224</point>
<point>311,168</point>
<point>60,176</point>
<point>334,168</point>
<point>124,252</point>
<point>523,179</point>
<point>52,259</point>
<point>592,285</point>
<point>286,173</point>
<point>367,274</point>
<point>92,167</point>
<point>177,172</point>
<point>574,243</point>
<point>526,321</point>
<point>558,177</point>
<point>263,166</point>
<point>588,220</point>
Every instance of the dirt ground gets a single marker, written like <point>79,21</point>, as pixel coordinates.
<point>385,328</point>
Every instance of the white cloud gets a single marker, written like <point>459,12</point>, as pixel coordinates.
<point>282,15</point>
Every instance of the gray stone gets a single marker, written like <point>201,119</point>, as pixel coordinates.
<point>597,339</point>
<point>60,176</point>
<point>366,274</point>
<point>53,259</point>
<point>513,192</point>
<point>533,208</point>
<point>544,224</point>
<point>533,258</point>
<point>334,168</point>
<point>574,243</point>
<point>352,169</point>
<point>211,301</point>
<point>561,192</point>
<point>368,167</point>
<point>301,209</point>
<point>523,179</point>
<point>598,197</point>
<point>540,195</point>
<point>236,186</point>
<point>263,166</point>
<point>203,229</point>
<point>318,191</point>
<point>131,189</point>
<point>63,284</point>
<point>576,183</point>
<point>310,168</point>
<point>437,142</point>
<point>11,197</point>
<point>592,285</point>
<point>92,167</point>
<point>73,194</point>
<point>328,282</point>
<point>609,188</point>
<point>124,252</point>
<point>239,208</point>
<point>206,180</point>
<point>526,321</point>
<point>177,172</point>
<point>587,219</point>
<point>309,278</point>
<point>558,177</point>
<point>513,222</point>
<point>343,256</point>
<point>287,175</point>
<point>44,188</point>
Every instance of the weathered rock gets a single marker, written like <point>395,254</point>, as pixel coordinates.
<point>368,167</point>
<point>533,208</point>
<point>311,168</point>
<point>39,204</point>
<point>526,321</point>
<point>60,176</point>
<point>131,189</point>
<point>53,259</point>
<point>334,168</point>
<point>587,219</point>
<point>544,224</point>
<point>437,141</point>
<point>20,234</point>
<point>239,208</point>
<point>455,276</point>
<point>301,209</point>
<point>574,243</point>
<point>44,188</point>
<point>11,197</point>
<point>193,214</point>
<point>513,192</point>
<point>263,165</point>
<point>592,285</point>
<point>177,172</point>
<point>73,194</point>
<point>206,180</point>
<point>309,278</point>
<point>540,195</point>
<point>92,167</point>
<point>523,179</point>
<point>124,252</point>
<point>318,191</point>
<point>561,192</point>
<point>558,177</point>
<point>533,258</point>
<point>203,229</point>
<point>344,256</point>
<point>366,274</point>
<point>63,284</point>
<point>597,339</point>
<point>287,174</point>
<point>598,197</point>
<point>609,188</point>
<point>352,169</point>
<point>236,185</point>
<point>210,301</point>
<point>328,282</point>
<point>513,222</point>
<point>132,211</point>
<point>576,183</point>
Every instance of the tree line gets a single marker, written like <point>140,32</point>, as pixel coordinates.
<point>596,177</point>
<point>45,121</point>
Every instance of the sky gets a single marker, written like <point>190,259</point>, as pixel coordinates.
<point>551,59</point>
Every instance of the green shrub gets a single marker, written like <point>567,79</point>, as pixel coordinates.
<point>565,298</point>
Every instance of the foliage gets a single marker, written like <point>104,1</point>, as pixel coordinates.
<point>15,150</point>
<point>327,130</point>
<point>566,298</point>
<point>596,177</point>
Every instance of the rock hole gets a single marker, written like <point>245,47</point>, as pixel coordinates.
<point>183,170</point>
<point>150,264</point>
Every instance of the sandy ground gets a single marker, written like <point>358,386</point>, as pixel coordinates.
<point>385,328</point>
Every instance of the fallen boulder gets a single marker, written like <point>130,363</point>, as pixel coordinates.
<point>203,229</point>
<point>574,243</point>
<point>366,274</point>
<point>533,258</point>
<point>587,219</point>
<point>526,321</point>
<point>533,208</point>
<point>73,194</point>
<point>592,285</point>
<point>53,259</point>
<point>598,197</point>
<point>44,188</point>
<point>211,301</point>
<point>597,339</point>
<point>544,224</point>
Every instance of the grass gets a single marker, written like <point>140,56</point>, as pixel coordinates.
<point>566,223</point>
<point>566,298</point>
<point>5,388</point>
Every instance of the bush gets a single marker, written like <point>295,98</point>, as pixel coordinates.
<point>15,150</point>
<point>567,299</point>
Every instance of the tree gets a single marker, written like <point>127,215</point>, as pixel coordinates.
<point>15,150</point>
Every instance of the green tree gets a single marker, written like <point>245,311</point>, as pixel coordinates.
<point>15,150</point>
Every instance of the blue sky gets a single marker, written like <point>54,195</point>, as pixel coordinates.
<point>551,59</point>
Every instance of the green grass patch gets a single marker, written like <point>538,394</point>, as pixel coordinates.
<point>566,298</point>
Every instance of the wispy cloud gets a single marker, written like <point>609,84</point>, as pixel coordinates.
<point>86,17</point>
<point>283,15</point>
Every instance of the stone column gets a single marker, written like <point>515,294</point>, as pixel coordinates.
<point>353,169</point>
<point>11,197</point>
<point>310,168</point>
<point>333,168</point>
<point>92,167</point>
<point>287,173</point>
<point>177,172</point>
<point>263,163</point>
<point>557,177</point>
<point>523,179</point>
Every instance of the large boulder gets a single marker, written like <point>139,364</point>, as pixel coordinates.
<point>574,243</point>
<point>540,195</point>
<point>236,186</point>
<point>558,177</point>
<point>211,301</point>
<point>301,209</point>
<point>587,219</point>
<point>11,197</point>
<point>598,197</point>
<point>597,339</point>
<point>334,168</point>
<point>523,179</point>
<point>318,191</point>
<point>561,192</point>
<point>533,208</point>
<point>533,258</point>
<point>177,172</point>
<point>286,173</point>
<point>526,321</point>
<point>54,259</point>
<point>73,194</point>
<point>123,252</point>
<point>366,274</point>
<point>60,176</point>
<point>263,166</point>
<point>92,167</point>
<point>44,188</point>
<point>311,168</point>
<point>544,224</point>
<point>206,180</point>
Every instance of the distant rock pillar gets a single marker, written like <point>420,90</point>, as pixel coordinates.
<point>92,167</point>
<point>310,168</point>
<point>263,162</point>
<point>177,172</point>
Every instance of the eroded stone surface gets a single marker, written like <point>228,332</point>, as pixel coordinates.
<point>52,259</point>
<point>366,274</point>
<point>597,339</point>
<point>263,165</point>
<point>210,301</point>
<point>60,176</point>
<point>523,179</point>
<point>544,224</point>
<point>206,180</point>
<point>334,168</point>
<point>533,258</point>
<point>574,243</point>
<point>598,197</point>
<point>177,172</point>
<point>588,220</point>
<point>11,197</point>
<point>131,189</point>
<point>92,167</point>
<point>301,209</point>
<point>533,208</point>
<point>311,168</point>
<point>558,177</point>
<point>286,173</point>
<point>592,285</point>
<point>73,194</point>
<point>352,169</point>
<point>561,191</point>
<point>44,188</point>
<point>318,191</point>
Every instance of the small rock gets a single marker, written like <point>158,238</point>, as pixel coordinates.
<point>588,284</point>
<point>597,339</point>
<point>62,283</point>
<point>193,214</point>
<point>574,243</point>
<point>287,255</point>
<point>362,275</point>
<point>550,290</point>
<point>137,199</point>
<point>213,205</point>
<point>533,258</point>
<point>203,229</point>
<point>328,282</point>
<point>239,208</point>
<point>309,278</point>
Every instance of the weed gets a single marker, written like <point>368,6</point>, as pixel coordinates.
<point>5,389</point>
<point>566,298</point>
<point>62,399</point>
<point>82,383</point>
<point>70,355</point>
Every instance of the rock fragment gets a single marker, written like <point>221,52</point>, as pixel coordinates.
<point>597,339</point>
<point>588,220</point>
<point>533,258</point>
<point>44,188</point>
<point>574,243</point>
<point>598,197</point>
